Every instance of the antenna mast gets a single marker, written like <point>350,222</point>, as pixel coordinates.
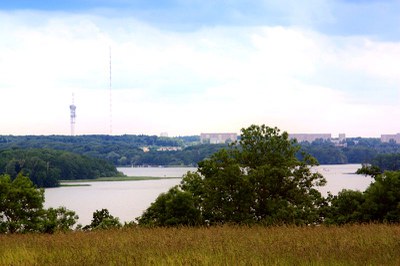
<point>72,109</point>
<point>110,97</point>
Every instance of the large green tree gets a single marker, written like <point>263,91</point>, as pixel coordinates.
<point>21,205</point>
<point>258,179</point>
<point>21,209</point>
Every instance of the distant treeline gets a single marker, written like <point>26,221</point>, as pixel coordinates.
<point>127,150</point>
<point>355,150</point>
<point>123,150</point>
<point>45,167</point>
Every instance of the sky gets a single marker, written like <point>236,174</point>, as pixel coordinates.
<point>191,67</point>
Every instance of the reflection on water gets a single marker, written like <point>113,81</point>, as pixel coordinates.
<point>128,199</point>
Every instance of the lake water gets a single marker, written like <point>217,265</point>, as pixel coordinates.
<point>156,171</point>
<point>128,199</point>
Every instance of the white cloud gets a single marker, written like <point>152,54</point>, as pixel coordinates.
<point>213,79</point>
<point>378,59</point>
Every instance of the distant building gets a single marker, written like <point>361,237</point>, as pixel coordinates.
<point>390,137</point>
<point>310,137</point>
<point>342,137</point>
<point>169,149</point>
<point>339,142</point>
<point>217,138</point>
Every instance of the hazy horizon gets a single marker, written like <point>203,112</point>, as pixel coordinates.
<point>180,135</point>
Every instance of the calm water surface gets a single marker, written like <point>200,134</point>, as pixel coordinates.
<point>156,171</point>
<point>128,199</point>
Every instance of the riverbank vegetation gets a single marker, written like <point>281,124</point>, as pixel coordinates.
<point>372,244</point>
<point>116,178</point>
<point>46,167</point>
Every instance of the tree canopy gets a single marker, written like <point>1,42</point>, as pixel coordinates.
<point>21,209</point>
<point>45,167</point>
<point>21,205</point>
<point>258,179</point>
<point>380,202</point>
<point>102,219</point>
<point>128,149</point>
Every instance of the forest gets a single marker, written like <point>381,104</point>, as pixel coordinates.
<point>128,150</point>
<point>120,150</point>
<point>45,167</point>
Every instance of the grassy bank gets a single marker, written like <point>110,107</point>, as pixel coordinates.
<point>348,245</point>
<point>117,178</point>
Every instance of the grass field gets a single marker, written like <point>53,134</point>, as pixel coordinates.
<point>226,245</point>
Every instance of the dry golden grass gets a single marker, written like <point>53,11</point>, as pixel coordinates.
<point>226,245</point>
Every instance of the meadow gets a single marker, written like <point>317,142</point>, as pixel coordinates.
<point>373,244</point>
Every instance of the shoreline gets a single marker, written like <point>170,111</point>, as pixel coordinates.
<point>115,179</point>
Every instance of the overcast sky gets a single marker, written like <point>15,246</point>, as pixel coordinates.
<point>186,67</point>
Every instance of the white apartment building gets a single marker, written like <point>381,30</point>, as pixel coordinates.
<point>310,137</point>
<point>389,137</point>
<point>217,138</point>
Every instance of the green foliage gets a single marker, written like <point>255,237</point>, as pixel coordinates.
<point>21,205</point>
<point>46,167</point>
<point>58,220</point>
<point>127,149</point>
<point>123,150</point>
<point>354,150</point>
<point>370,170</point>
<point>387,162</point>
<point>118,150</point>
<point>189,156</point>
<point>382,198</point>
<point>326,152</point>
<point>346,207</point>
<point>256,180</point>
<point>21,209</point>
<point>176,207</point>
<point>102,219</point>
<point>380,202</point>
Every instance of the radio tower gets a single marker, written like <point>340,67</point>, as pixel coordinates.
<point>110,97</point>
<point>72,108</point>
